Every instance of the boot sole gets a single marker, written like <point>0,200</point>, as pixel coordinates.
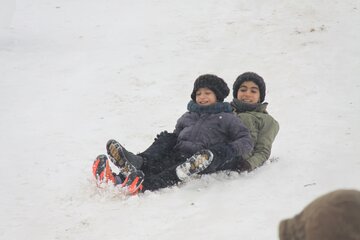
<point>115,152</point>
<point>117,156</point>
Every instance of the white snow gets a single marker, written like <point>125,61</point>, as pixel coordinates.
<point>74,74</point>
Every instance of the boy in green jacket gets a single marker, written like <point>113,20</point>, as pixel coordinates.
<point>248,103</point>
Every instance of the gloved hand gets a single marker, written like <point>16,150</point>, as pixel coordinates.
<point>244,165</point>
<point>223,151</point>
<point>165,135</point>
<point>166,140</point>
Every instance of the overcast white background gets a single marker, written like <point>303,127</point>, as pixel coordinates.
<point>74,74</point>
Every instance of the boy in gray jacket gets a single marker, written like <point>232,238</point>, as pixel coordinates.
<point>206,139</point>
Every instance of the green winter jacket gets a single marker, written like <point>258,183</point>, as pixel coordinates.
<point>263,130</point>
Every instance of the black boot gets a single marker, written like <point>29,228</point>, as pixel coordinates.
<point>126,161</point>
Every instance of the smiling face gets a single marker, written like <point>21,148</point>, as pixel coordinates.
<point>205,97</point>
<point>249,92</point>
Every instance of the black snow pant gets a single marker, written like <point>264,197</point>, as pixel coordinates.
<point>161,160</point>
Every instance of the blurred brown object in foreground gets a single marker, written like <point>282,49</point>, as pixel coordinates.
<point>333,216</point>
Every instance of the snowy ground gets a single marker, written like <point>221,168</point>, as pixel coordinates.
<point>74,74</point>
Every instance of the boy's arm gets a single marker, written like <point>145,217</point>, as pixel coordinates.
<point>180,124</point>
<point>262,148</point>
<point>240,139</point>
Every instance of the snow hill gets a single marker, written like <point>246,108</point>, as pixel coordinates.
<point>74,74</point>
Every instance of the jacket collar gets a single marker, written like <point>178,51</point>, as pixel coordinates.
<point>240,106</point>
<point>215,108</point>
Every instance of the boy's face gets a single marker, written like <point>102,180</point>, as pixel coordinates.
<point>249,92</point>
<point>205,97</point>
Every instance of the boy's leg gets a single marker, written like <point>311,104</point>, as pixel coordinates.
<point>160,155</point>
<point>164,179</point>
<point>163,143</point>
<point>203,162</point>
<point>195,164</point>
<point>182,169</point>
<point>224,159</point>
<point>218,158</point>
<point>219,164</point>
<point>152,161</point>
<point>168,176</point>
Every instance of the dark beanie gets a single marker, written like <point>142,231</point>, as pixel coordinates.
<point>253,77</point>
<point>214,83</point>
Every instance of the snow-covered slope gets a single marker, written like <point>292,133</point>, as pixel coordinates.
<point>77,73</point>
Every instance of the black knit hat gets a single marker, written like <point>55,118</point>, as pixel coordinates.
<point>213,82</point>
<point>253,77</point>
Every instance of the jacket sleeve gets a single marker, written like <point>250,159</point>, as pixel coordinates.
<point>262,148</point>
<point>180,124</point>
<point>185,145</point>
<point>240,139</point>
